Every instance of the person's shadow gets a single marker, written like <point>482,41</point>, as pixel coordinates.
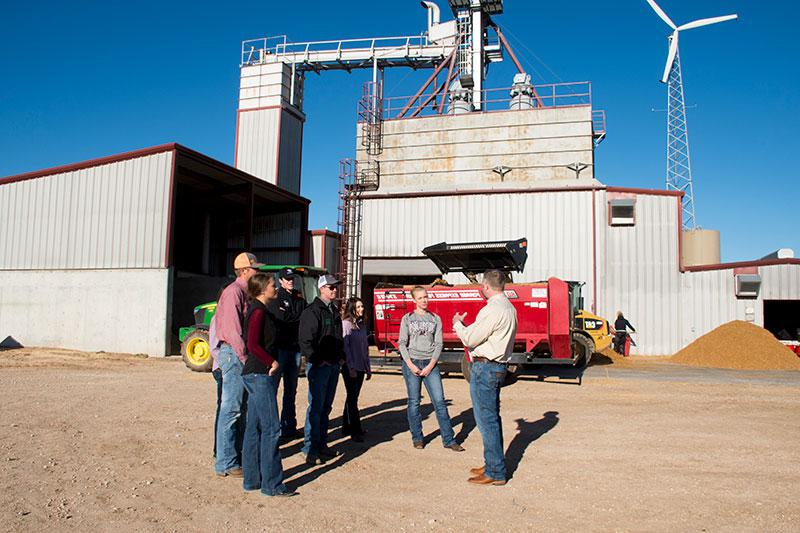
<point>527,432</point>
<point>467,421</point>
<point>383,422</point>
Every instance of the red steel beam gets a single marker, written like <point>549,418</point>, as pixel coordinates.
<point>449,74</point>
<point>451,61</point>
<point>422,89</point>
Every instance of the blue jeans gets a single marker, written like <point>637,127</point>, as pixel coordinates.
<point>433,384</point>
<point>261,459</point>
<point>484,388</point>
<point>289,362</point>
<point>322,380</point>
<point>229,447</point>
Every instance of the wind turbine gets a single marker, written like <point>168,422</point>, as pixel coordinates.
<point>679,168</point>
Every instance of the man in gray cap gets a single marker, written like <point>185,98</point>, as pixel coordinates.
<point>321,343</point>
<point>286,309</point>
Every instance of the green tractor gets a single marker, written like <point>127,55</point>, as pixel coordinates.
<point>195,347</point>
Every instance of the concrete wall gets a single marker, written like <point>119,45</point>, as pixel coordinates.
<point>458,152</point>
<point>110,310</point>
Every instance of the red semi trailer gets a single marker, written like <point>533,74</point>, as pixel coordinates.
<point>551,327</point>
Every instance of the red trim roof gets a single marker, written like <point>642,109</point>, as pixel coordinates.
<point>89,163</point>
<point>180,149</point>
<point>648,192</point>
<point>326,232</point>
<point>756,263</point>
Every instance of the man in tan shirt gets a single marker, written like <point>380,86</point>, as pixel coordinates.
<point>490,340</point>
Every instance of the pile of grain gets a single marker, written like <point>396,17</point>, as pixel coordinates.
<point>738,345</point>
<point>609,357</point>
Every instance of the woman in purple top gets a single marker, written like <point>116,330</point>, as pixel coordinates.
<point>356,349</point>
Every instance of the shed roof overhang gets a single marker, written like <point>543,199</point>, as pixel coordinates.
<point>213,180</point>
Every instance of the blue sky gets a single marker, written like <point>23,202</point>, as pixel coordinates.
<point>88,79</point>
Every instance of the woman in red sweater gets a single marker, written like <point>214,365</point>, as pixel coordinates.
<point>261,459</point>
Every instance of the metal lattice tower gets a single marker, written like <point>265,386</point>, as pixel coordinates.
<point>679,166</point>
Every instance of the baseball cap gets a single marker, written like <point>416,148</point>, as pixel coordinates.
<point>326,279</point>
<point>286,273</point>
<point>246,260</point>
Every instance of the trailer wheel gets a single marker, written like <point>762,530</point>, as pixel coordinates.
<point>466,367</point>
<point>196,351</point>
<point>582,349</point>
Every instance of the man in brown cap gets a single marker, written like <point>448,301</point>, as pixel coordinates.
<point>228,319</point>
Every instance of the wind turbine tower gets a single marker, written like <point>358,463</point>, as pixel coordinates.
<point>679,167</point>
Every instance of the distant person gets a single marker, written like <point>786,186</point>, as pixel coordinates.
<point>321,343</point>
<point>287,308</point>
<point>421,345</point>
<point>620,333</point>
<point>356,368</point>
<point>261,459</point>
<point>490,340</point>
<point>229,316</point>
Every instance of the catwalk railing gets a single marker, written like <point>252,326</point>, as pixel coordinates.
<point>552,95</point>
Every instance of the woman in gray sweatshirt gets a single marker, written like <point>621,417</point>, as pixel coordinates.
<point>420,345</point>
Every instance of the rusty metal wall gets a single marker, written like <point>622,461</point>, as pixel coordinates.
<point>459,151</point>
<point>108,216</point>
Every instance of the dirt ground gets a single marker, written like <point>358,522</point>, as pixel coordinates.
<point>109,442</point>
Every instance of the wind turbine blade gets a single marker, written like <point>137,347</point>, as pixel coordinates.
<point>706,22</point>
<point>673,49</point>
<point>660,13</point>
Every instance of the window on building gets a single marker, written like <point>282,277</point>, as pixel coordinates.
<point>622,212</point>
<point>747,285</point>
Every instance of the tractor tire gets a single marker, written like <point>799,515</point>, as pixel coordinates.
<point>466,367</point>
<point>196,351</point>
<point>582,349</point>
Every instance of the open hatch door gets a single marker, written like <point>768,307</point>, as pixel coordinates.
<point>474,257</point>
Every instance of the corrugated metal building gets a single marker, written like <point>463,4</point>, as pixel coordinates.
<point>452,192</point>
<point>324,252</point>
<point>112,254</point>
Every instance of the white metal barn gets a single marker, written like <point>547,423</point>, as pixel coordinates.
<point>112,254</point>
